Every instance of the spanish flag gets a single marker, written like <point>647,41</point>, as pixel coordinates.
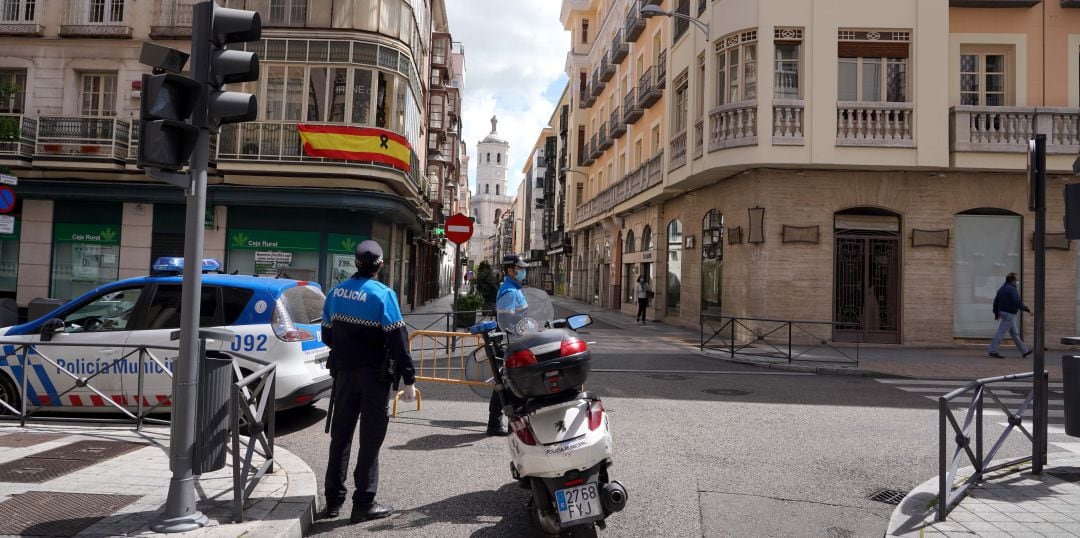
<point>356,144</point>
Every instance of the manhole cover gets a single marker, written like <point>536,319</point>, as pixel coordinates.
<point>1068,474</point>
<point>726,392</point>
<point>669,377</point>
<point>888,496</point>
<point>36,471</point>
<point>48,513</point>
<point>22,440</point>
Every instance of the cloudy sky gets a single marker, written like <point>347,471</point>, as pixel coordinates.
<point>515,51</point>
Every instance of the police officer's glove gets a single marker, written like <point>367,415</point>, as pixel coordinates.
<point>408,394</point>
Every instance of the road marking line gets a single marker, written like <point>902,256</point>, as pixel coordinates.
<point>725,372</point>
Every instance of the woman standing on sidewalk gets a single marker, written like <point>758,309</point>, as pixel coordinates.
<point>642,291</point>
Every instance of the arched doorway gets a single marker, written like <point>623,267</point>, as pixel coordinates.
<point>712,260</point>
<point>989,245</point>
<point>674,267</point>
<point>866,276</point>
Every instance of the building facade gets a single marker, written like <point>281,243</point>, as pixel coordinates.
<point>490,200</point>
<point>559,249</point>
<point>869,175</point>
<point>87,215</point>
<point>530,203</point>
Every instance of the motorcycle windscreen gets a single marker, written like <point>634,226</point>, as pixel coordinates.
<point>524,313</point>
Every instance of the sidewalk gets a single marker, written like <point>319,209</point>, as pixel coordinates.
<point>61,480</point>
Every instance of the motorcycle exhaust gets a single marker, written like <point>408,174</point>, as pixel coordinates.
<point>613,498</point>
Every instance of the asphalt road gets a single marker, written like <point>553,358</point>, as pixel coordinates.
<point>705,448</point>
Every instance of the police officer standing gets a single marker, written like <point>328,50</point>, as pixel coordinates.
<point>512,300</point>
<point>367,338</point>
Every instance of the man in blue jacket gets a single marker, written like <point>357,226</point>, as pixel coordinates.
<point>363,328</point>
<point>1007,305</point>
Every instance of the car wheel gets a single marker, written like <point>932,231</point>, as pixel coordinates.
<point>9,393</point>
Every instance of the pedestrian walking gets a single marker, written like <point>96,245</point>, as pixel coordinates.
<point>643,292</point>
<point>1007,306</point>
<point>367,338</point>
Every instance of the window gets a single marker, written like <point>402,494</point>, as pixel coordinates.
<point>637,153</point>
<point>288,12</point>
<point>498,158</point>
<point>736,68</point>
<point>655,140</point>
<point>701,5</point>
<point>105,11</point>
<point>984,78</point>
<point>12,91</point>
<point>164,310</point>
<point>327,94</point>
<point>487,189</point>
<point>788,47</point>
<point>18,11</point>
<point>284,92</point>
<point>97,95</point>
<point>646,239</point>
<point>585,31</point>
<point>873,66</point>
<point>109,312</point>
<point>489,157</point>
<point>497,193</point>
<point>436,121</point>
<point>682,91</point>
<point>681,24</point>
<point>361,105</point>
<point>629,244</point>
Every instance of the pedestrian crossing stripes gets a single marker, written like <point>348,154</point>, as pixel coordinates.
<point>1011,393</point>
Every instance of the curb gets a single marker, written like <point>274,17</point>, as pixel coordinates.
<point>910,516</point>
<point>298,514</point>
<point>820,370</point>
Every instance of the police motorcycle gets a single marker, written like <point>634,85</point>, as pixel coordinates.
<point>560,448</point>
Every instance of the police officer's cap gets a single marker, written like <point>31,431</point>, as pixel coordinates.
<point>515,260</point>
<point>369,253</point>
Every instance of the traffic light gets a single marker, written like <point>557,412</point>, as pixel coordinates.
<point>1072,211</point>
<point>167,101</point>
<point>222,27</point>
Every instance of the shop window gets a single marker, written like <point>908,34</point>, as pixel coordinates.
<point>712,258</point>
<point>85,256</point>
<point>9,258</point>
<point>674,265</point>
<point>274,253</point>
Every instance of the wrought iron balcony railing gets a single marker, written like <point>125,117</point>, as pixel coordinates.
<point>648,92</point>
<point>631,109</point>
<point>619,47</point>
<point>83,137</point>
<point>617,126</point>
<point>635,24</point>
<point>607,69</point>
<point>17,136</point>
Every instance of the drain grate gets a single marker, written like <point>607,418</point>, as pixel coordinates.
<point>726,392</point>
<point>888,496</point>
<point>23,440</point>
<point>60,461</point>
<point>89,450</point>
<point>1068,474</point>
<point>49,513</point>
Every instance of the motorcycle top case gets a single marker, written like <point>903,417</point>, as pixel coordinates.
<point>553,373</point>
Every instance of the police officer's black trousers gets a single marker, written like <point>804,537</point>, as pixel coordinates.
<point>358,394</point>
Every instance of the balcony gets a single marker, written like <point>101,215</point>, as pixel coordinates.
<point>598,84</point>
<point>172,19</point>
<point>594,147</point>
<point>678,150</point>
<point>17,135</point>
<point>20,20</point>
<point>1007,129</point>
<point>648,175</point>
<point>589,97</point>
<point>605,140</point>
<point>585,155</point>
<point>84,137</point>
<point>648,92</point>
<point>661,70</point>
<point>97,19</point>
<point>617,127</point>
<point>788,123</point>
<point>631,110</point>
<point>607,69</point>
<point>733,125</point>
<point>619,48</point>
<point>635,24</point>
<point>875,124</point>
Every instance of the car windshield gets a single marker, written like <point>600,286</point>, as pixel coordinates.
<point>303,303</point>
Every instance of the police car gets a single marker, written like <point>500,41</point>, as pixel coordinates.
<point>272,319</point>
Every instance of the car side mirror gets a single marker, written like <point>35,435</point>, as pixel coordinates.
<point>578,321</point>
<point>51,328</point>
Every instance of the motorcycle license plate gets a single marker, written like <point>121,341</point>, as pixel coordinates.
<point>578,503</point>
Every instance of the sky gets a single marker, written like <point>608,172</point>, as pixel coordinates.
<point>515,51</point>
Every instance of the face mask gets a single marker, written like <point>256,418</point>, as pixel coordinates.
<point>520,274</point>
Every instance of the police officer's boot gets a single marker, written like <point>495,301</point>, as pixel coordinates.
<point>496,425</point>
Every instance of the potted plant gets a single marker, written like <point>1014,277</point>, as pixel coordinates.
<point>466,308</point>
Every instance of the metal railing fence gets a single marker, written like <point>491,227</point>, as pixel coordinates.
<point>251,410</point>
<point>793,340</point>
<point>949,494</point>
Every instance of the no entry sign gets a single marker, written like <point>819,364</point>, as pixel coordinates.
<point>459,228</point>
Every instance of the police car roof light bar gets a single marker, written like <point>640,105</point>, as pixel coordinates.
<point>175,266</point>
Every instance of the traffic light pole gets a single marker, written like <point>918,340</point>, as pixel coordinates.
<point>1040,415</point>
<point>180,514</point>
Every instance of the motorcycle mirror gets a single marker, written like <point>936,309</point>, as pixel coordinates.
<point>51,328</point>
<point>579,321</point>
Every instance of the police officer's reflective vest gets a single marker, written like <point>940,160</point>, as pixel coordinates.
<point>361,322</point>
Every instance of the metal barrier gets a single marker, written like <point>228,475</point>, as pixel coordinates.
<point>252,409</point>
<point>773,338</point>
<point>948,494</point>
<point>442,357</point>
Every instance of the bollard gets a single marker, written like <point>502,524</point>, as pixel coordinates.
<point>1070,370</point>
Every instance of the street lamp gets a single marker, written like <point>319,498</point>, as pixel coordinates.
<point>650,11</point>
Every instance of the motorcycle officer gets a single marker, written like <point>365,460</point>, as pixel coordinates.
<point>367,338</point>
<point>509,300</point>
